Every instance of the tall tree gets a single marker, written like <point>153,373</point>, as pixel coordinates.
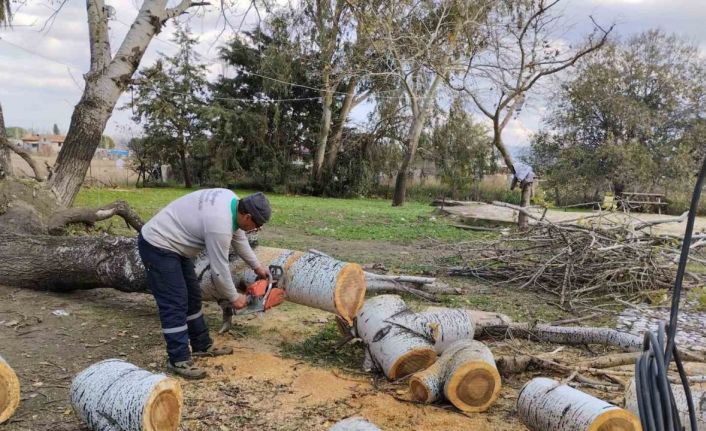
<point>420,41</point>
<point>461,150</point>
<point>55,129</point>
<point>108,77</point>
<point>514,52</point>
<point>171,101</point>
<point>631,116</point>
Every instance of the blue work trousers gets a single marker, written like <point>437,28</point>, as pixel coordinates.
<point>176,290</point>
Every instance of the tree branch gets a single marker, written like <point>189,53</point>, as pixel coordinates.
<point>98,35</point>
<point>26,157</point>
<point>59,220</point>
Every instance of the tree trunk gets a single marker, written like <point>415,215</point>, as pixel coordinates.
<point>522,219</point>
<point>547,405</point>
<point>114,395</point>
<point>395,350</point>
<point>5,160</point>
<point>465,374</point>
<point>105,82</point>
<point>63,264</point>
<point>354,424</point>
<point>498,143</point>
<point>322,138</point>
<point>9,391</point>
<point>335,142</point>
<point>184,168</point>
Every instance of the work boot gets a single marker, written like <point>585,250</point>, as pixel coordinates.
<point>213,351</point>
<point>186,369</point>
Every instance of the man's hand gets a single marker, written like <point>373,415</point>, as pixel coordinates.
<point>262,272</point>
<point>241,302</point>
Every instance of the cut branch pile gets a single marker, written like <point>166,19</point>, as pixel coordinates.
<point>576,259</point>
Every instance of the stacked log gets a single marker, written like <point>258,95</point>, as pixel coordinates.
<point>441,326</point>
<point>310,279</point>
<point>546,405</point>
<point>698,394</point>
<point>396,350</point>
<point>114,395</point>
<point>465,374</point>
<point>9,391</point>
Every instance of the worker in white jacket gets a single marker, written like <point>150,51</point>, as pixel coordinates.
<point>206,219</point>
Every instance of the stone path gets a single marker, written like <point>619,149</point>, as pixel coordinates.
<point>691,329</point>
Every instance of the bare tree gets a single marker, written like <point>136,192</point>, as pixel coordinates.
<point>517,50</point>
<point>420,41</point>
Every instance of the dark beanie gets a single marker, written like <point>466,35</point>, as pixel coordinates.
<point>258,207</point>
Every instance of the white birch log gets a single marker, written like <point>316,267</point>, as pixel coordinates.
<point>546,405</point>
<point>698,394</point>
<point>114,395</point>
<point>571,335</point>
<point>465,374</point>
<point>354,424</point>
<point>310,279</point>
<point>9,391</point>
<point>397,351</point>
<point>441,326</point>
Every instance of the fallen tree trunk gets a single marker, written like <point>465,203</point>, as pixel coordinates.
<point>698,393</point>
<point>546,405</point>
<point>465,374</point>
<point>114,395</point>
<point>570,335</point>
<point>9,391</point>
<point>395,350</point>
<point>354,424</point>
<point>62,264</point>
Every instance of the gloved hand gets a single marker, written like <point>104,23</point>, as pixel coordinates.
<point>262,272</point>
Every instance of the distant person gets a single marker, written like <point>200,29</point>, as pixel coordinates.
<point>206,219</point>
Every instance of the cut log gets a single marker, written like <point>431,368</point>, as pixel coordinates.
<point>441,326</point>
<point>9,391</point>
<point>46,262</point>
<point>310,279</point>
<point>354,424</point>
<point>546,405</point>
<point>465,373</point>
<point>396,350</point>
<point>570,335</point>
<point>698,394</point>
<point>114,395</point>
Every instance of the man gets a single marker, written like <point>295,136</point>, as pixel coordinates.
<point>206,219</point>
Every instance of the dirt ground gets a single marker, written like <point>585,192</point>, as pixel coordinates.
<point>284,374</point>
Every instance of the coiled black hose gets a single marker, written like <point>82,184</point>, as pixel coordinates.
<point>655,400</point>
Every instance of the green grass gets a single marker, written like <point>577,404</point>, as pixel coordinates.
<point>340,219</point>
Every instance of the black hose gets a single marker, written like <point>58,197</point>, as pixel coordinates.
<point>655,400</point>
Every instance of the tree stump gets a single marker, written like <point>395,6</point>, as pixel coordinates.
<point>698,394</point>
<point>546,405</point>
<point>354,424</point>
<point>465,373</point>
<point>114,395</point>
<point>396,350</point>
<point>9,391</point>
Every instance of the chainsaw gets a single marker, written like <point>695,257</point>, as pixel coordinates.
<point>262,295</point>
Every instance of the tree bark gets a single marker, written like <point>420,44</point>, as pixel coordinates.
<point>354,424</point>
<point>547,405</point>
<point>335,143</point>
<point>90,216</point>
<point>322,138</point>
<point>522,219</point>
<point>115,395</point>
<point>698,393</point>
<point>5,160</point>
<point>9,391</point>
<point>185,168</point>
<point>27,158</point>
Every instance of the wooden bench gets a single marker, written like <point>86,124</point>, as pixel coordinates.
<point>632,200</point>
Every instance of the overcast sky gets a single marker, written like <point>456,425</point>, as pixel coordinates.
<point>41,70</point>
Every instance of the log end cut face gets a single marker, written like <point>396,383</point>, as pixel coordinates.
<point>616,420</point>
<point>349,293</point>
<point>474,387</point>
<point>9,392</point>
<point>415,360</point>
<point>163,409</point>
<point>419,391</point>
